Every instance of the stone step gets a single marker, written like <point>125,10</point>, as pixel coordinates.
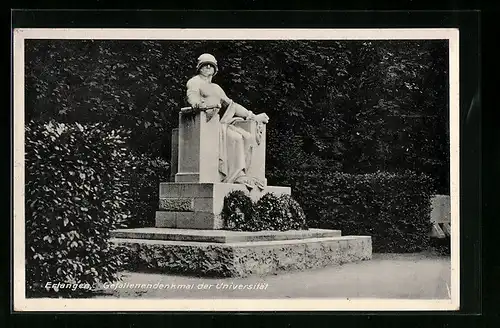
<point>242,259</point>
<point>221,236</point>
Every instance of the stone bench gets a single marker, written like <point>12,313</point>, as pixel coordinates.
<point>441,216</point>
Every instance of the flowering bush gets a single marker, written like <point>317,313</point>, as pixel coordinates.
<point>270,212</point>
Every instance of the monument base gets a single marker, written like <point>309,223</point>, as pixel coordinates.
<point>221,253</point>
<point>198,205</point>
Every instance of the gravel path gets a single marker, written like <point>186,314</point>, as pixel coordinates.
<point>405,276</point>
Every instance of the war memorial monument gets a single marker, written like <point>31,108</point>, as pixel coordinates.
<point>219,147</point>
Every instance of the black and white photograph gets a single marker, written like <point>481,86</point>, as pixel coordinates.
<point>236,169</point>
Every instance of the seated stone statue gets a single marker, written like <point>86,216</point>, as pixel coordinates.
<point>235,144</point>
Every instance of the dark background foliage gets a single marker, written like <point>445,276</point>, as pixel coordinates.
<point>349,106</point>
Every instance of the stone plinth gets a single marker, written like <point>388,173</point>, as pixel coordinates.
<point>196,145</point>
<point>233,255</point>
<point>198,205</point>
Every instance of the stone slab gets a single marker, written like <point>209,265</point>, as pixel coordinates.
<point>184,204</point>
<point>242,259</point>
<point>187,189</point>
<point>165,219</point>
<point>220,236</point>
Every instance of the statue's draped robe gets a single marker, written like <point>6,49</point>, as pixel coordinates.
<point>235,144</point>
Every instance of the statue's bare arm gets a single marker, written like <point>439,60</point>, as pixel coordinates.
<point>193,93</point>
<point>240,110</point>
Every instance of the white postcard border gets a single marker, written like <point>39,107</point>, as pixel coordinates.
<point>21,303</point>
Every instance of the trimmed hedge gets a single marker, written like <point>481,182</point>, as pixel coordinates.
<point>392,208</point>
<point>270,212</point>
<point>76,192</point>
<point>82,182</point>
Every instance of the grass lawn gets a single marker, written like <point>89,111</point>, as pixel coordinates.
<point>404,276</point>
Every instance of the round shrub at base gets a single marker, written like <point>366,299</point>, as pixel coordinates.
<point>76,192</point>
<point>270,212</point>
<point>238,212</point>
<point>296,217</point>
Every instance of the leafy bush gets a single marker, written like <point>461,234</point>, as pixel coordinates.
<point>238,212</point>
<point>270,212</point>
<point>295,216</point>
<point>392,208</point>
<point>76,192</point>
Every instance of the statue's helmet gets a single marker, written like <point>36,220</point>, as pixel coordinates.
<point>207,59</point>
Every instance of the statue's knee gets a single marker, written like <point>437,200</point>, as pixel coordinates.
<point>237,137</point>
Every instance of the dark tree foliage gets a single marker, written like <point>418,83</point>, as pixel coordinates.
<point>351,106</point>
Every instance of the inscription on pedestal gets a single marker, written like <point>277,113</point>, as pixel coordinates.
<point>177,204</point>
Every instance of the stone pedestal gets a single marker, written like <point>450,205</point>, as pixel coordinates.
<point>198,205</point>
